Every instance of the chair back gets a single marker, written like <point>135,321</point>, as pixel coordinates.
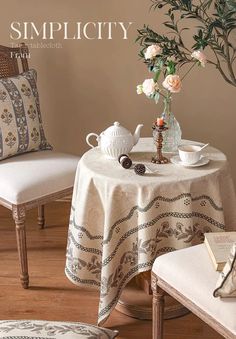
<point>9,57</point>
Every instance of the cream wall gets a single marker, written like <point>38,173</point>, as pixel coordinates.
<point>87,85</point>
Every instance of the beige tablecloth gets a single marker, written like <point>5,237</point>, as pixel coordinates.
<point>121,222</point>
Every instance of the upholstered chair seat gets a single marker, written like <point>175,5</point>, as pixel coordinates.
<point>39,329</point>
<point>189,276</point>
<point>34,175</point>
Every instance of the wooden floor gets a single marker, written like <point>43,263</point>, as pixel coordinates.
<point>51,296</point>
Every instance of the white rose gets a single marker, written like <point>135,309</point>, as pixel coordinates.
<point>152,51</point>
<point>172,83</point>
<point>200,56</point>
<point>149,87</point>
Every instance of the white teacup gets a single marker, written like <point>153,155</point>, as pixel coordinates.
<point>189,154</point>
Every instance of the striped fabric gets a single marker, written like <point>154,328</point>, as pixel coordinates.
<point>21,128</point>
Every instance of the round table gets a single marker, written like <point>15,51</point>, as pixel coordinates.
<point>120,222</point>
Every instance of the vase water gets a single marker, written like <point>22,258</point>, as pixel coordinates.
<point>172,136</point>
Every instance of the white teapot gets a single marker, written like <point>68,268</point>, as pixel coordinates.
<point>116,140</point>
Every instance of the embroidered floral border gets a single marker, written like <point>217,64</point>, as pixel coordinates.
<point>95,260</point>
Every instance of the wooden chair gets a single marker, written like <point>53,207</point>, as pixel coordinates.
<point>32,179</point>
<point>189,277</point>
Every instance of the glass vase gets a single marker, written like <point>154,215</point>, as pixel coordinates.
<point>172,136</point>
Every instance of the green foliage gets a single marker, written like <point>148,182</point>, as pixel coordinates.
<point>215,29</point>
<point>231,4</point>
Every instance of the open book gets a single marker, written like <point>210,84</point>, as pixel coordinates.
<point>218,245</point>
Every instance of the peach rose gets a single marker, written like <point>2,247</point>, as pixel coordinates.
<point>149,87</point>
<point>152,51</point>
<point>172,83</point>
<point>200,56</point>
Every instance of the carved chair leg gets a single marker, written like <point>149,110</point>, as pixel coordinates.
<point>157,310</point>
<point>19,217</point>
<point>41,218</point>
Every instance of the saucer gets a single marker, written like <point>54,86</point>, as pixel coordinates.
<point>203,161</point>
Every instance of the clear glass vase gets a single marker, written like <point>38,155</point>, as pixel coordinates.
<point>172,136</point>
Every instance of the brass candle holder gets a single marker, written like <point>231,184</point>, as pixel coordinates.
<point>159,158</point>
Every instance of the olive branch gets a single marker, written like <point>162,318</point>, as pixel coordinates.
<point>215,29</point>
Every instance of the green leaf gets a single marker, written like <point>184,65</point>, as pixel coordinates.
<point>157,75</point>
<point>171,69</point>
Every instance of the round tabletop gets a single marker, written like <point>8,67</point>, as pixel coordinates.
<point>100,166</point>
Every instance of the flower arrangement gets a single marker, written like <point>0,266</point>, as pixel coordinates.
<point>167,54</point>
<point>158,62</point>
<point>216,23</point>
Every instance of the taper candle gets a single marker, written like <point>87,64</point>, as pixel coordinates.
<point>160,121</point>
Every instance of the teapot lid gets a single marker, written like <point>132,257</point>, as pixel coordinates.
<point>116,130</point>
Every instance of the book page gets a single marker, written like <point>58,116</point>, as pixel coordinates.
<point>220,244</point>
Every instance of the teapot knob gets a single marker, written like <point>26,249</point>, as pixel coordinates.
<point>117,124</point>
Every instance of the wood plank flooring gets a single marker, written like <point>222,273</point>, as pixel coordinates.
<point>52,296</point>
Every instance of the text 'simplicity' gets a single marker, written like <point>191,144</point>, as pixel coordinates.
<point>69,31</point>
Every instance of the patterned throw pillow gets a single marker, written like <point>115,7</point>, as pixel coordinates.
<point>39,329</point>
<point>226,285</point>
<point>21,128</point>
